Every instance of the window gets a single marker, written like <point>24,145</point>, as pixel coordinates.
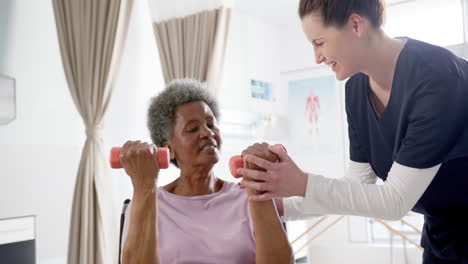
<point>433,21</point>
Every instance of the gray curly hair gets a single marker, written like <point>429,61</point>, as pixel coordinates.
<point>161,112</point>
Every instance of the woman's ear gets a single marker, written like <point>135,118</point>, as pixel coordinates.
<point>168,145</point>
<point>357,23</point>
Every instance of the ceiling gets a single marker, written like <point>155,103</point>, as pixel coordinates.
<point>276,12</point>
<point>280,12</point>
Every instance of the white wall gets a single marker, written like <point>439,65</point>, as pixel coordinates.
<point>253,52</point>
<point>297,53</point>
<point>40,150</point>
<point>465,28</point>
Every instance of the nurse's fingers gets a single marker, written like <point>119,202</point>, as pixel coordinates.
<point>280,151</point>
<point>259,162</point>
<point>254,174</point>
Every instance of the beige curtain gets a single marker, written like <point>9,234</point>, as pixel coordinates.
<point>91,36</point>
<point>194,46</point>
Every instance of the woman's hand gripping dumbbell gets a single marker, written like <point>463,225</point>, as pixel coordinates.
<point>142,162</point>
<point>162,156</point>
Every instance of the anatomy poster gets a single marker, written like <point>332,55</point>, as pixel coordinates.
<point>313,111</point>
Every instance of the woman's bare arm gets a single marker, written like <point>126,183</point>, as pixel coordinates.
<point>141,243</point>
<point>272,245</point>
<point>141,246</point>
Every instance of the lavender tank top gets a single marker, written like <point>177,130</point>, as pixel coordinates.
<point>214,228</point>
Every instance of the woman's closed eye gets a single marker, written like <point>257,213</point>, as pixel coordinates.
<point>318,44</point>
<point>192,130</point>
<point>195,129</point>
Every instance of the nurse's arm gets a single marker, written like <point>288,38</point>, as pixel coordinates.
<point>290,208</point>
<point>389,201</point>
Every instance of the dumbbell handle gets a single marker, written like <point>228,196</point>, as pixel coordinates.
<point>237,162</point>
<point>163,158</point>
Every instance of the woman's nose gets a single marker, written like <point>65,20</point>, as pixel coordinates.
<point>207,132</point>
<point>319,58</point>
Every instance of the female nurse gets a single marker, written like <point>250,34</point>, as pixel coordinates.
<point>407,110</point>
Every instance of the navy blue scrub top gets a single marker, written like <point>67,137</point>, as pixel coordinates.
<point>424,124</point>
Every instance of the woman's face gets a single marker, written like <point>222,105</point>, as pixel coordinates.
<point>196,139</point>
<point>339,48</point>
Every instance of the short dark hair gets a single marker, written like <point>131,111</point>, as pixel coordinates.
<point>337,12</point>
<point>161,112</point>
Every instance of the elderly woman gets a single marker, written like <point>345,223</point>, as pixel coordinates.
<point>198,218</point>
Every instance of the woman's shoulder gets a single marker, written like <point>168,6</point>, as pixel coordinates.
<point>426,60</point>
<point>418,47</point>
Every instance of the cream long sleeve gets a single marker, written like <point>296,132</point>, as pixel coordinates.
<point>357,193</point>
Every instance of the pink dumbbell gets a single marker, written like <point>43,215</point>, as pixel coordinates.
<point>163,158</point>
<point>237,162</point>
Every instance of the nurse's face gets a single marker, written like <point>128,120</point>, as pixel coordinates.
<point>339,48</point>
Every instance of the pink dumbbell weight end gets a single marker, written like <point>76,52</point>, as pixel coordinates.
<point>237,162</point>
<point>163,158</point>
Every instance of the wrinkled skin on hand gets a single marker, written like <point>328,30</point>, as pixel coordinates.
<point>261,151</point>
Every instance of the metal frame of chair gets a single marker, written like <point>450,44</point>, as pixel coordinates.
<point>122,220</point>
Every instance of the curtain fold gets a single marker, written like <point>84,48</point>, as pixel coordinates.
<point>216,65</point>
<point>194,46</point>
<point>92,35</point>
